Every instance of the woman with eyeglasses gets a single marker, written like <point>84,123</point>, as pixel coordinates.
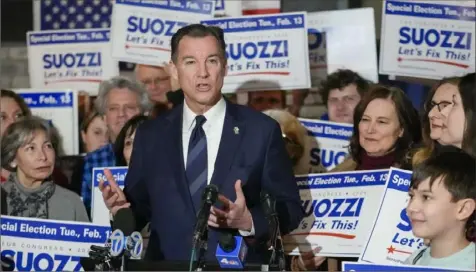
<point>448,117</point>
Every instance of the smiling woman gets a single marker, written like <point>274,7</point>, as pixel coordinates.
<point>28,150</point>
<point>386,128</point>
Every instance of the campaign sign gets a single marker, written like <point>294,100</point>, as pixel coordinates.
<point>30,244</point>
<point>332,139</point>
<point>342,39</point>
<point>353,266</point>
<point>339,211</point>
<point>391,240</point>
<point>70,58</point>
<point>142,29</point>
<point>265,52</point>
<point>60,107</point>
<point>428,39</point>
<point>99,211</point>
<point>228,8</point>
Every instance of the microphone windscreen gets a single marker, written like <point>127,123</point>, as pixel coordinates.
<point>226,241</point>
<point>124,220</point>
<point>267,203</point>
<point>210,194</point>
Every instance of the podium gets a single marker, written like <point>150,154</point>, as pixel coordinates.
<point>141,265</point>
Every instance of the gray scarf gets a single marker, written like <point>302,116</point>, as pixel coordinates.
<point>26,202</point>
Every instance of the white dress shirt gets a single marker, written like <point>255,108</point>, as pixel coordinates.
<point>213,128</point>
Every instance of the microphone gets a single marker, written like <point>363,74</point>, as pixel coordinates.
<point>231,251</point>
<point>99,258</point>
<point>125,221</point>
<point>134,244</point>
<point>209,197</point>
<point>276,244</point>
<point>123,225</point>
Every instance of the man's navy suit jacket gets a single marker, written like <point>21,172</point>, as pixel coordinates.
<point>251,149</point>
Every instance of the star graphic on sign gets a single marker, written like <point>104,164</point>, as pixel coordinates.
<point>390,249</point>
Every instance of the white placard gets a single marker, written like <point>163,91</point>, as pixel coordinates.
<point>332,140</point>
<point>70,58</point>
<point>30,244</point>
<point>228,8</point>
<point>61,108</point>
<point>339,211</point>
<point>99,211</point>
<point>391,240</point>
<point>142,29</point>
<point>351,266</point>
<point>428,39</point>
<point>265,52</point>
<point>342,39</point>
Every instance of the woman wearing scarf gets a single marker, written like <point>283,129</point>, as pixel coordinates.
<point>28,151</point>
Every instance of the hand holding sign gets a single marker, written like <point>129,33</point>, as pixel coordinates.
<point>234,215</point>
<point>113,195</point>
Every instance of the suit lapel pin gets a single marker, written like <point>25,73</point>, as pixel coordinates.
<point>236,130</point>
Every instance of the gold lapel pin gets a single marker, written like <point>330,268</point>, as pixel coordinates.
<point>236,130</point>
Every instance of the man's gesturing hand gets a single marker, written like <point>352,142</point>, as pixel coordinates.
<point>111,193</point>
<point>235,215</point>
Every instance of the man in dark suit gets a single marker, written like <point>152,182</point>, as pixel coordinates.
<point>205,140</point>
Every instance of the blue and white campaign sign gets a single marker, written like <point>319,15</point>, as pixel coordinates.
<point>61,108</point>
<point>228,8</point>
<point>342,39</point>
<point>265,52</point>
<point>78,59</point>
<point>332,139</point>
<point>339,211</point>
<point>391,240</point>
<point>99,211</point>
<point>353,266</point>
<point>30,244</point>
<point>428,39</point>
<point>142,29</point>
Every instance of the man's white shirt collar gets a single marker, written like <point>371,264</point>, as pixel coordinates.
<point>211,114</point>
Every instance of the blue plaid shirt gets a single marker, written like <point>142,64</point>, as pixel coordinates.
<point>102,157</point>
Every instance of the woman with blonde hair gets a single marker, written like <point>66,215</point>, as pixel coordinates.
<point>298,144</point>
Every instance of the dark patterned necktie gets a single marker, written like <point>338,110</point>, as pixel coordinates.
<point>197,163</point>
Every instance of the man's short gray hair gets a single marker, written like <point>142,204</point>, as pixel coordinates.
<point>21,133</point>
<point>120,82</point>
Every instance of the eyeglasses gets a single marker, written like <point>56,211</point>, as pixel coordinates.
<point>156,81</point>
<point>441,105</point>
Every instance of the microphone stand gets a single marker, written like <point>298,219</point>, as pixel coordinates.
<point>202,247</point>
<point>275,242</point>
<point>276,247</point>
